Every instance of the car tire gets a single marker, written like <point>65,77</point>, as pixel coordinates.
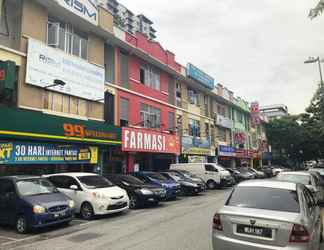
<point>321,236</point>
<point>211,184</point>
<point>22,224</point>
<point>86,211</point>
<point>133,202</point>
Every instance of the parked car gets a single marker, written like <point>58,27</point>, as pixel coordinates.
<point>93,194</point>
<point>29,202</point>
<point>139,193</point>
<point>267,170</point>
<point>188,187</point>
<point>243,174</point>
<point>317,170</point>
<point>268,215</point>
<point>259,174</point>
<point>276,171</point>
<point>190,176</point>
<point>172,188</point>
<point>213,174</point>
<point>310,180</point>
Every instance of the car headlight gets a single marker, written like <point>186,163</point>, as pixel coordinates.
<point>38,209</point>
<point>71,203</point>
<point>146,191</point>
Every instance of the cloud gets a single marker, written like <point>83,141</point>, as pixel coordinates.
<point>256,47</point>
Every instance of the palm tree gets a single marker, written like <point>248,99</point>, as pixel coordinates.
<point>317,10</point>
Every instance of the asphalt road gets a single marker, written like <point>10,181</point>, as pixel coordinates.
<point>184,224</point>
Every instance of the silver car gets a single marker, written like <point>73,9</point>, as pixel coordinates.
<point>309,179</point>
<point>268,215</point>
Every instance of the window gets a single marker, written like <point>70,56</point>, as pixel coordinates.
<point>239,117</point>
<point>150,116</point>
<point>221,134</point>
<point>253,197</point>
<point>64,181</point>
<point>206,105</point>
<point>179,124</point>
<point>109,111</point>
<point>221,110</point>
<point>178,94</point>
<point>124,107</point>
<point>150,77</point>
<point>193,97</point>
<point>210,168</point>
<point>194,128</point>
<point>63,36</point>
<point>171,121</point>
<point>207,130</point>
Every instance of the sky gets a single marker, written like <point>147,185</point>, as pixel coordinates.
<point>255,48</point>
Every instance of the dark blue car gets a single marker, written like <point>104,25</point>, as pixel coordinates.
<point>172,188</point>
<point>28,202</point>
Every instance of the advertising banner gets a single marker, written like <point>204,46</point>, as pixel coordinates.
<point>46,64</point>
<point>144,140</point>
<point>38,153</point>
<point>200,76</point>
<point>86,9</point>
<point>226,151</point>
<point>223,121</point>
<point>196,146</point>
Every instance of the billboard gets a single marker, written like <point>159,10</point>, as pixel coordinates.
<point>40,153</point>
<point>46,64</point>
<point>200,76</point>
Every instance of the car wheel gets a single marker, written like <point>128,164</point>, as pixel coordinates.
<point>86,211</point>
<point>133,202</point>
<point>21,224</point>
<point>211,184</point>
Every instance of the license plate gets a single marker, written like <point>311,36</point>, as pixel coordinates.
<point>255,231</point>
<point>58,215</point>
<point>151,199</point>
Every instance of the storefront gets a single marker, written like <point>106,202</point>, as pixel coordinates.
<point>196,150</point>
<point>226,156</point>
<point>149,149</point>
<point>32,142</point>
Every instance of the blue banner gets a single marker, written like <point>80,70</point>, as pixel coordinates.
<point>40,153</point>
<point>226,151</point>
<point>200,76</point>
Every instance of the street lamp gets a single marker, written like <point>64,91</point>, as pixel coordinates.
<point>314,60</point>
<point>56,82</point>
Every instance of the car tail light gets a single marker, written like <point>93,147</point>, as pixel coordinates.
<point>299,234</point>
<point>217,224</point>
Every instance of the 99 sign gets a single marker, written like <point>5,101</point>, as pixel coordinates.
<point>73,130</point>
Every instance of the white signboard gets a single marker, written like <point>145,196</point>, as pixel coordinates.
<point>224,121</point>
<point>87,9</point>
<point>82,79</point>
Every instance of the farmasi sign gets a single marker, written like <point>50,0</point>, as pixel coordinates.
<point>143,140</point>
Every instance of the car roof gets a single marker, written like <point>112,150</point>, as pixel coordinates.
<point>269,184</point>
<point>20,177</point>
<point>72,174</point>
<point>296,173</point>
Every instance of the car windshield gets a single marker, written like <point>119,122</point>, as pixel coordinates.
<point>132,180</point>
<point>156,176</point>
<point>296,178</point>
<point>265,198</point>
<point>93,182</point>
<point>188,174</point>
<point>243,170</point>
<point>35,187</point>
<point>176,176</point>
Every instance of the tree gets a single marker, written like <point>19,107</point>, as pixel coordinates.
<point>319,8</point>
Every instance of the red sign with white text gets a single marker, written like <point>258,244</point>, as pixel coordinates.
<point>144,140</point>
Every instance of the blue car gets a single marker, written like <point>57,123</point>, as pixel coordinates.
<point>29,202</point>
<point>172,188</point>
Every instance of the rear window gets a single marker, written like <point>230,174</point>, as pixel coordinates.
<point>265,198</point>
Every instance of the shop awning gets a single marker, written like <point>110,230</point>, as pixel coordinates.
<point>24,124</point>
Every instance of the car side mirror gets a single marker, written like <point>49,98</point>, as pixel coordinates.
<point>74,187</point>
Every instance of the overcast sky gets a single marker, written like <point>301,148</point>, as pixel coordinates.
<point>256,48</point>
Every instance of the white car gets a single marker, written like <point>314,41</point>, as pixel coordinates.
<point>92,194</point>
<point>212,174</point>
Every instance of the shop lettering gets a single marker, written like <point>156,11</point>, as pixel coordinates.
<point>75,130</point>
<point>144,141</point>
<point>5,153</point>
<point>81,8</point>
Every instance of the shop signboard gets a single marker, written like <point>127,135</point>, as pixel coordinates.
<point>224,121</point>
<point>40,153</point>
<point>226,151</point>
<point>145,140</point>
<point>195,146</point>
<point>86,9</point>
<point>46,64</point>
<point>244,153</point>
<point>200,76</point>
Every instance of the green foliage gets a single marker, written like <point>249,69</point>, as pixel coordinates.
<point>317,10</point>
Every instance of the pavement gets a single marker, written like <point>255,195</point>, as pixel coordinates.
<point>184,224</point>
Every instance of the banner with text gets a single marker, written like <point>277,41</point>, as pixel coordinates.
<point>38,153</point>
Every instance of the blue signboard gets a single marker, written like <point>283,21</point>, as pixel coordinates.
<point>226,151</point>
<point>39,153</point>
<point>200,76</point>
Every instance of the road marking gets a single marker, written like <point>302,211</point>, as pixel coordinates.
<point>19,240</point>
<point>8,238</point>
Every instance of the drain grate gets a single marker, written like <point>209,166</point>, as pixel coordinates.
<point>84,237</point>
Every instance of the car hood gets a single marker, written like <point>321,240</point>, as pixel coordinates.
<point>225,173</point>
<point>47,200</point>
<point>111,192</point>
